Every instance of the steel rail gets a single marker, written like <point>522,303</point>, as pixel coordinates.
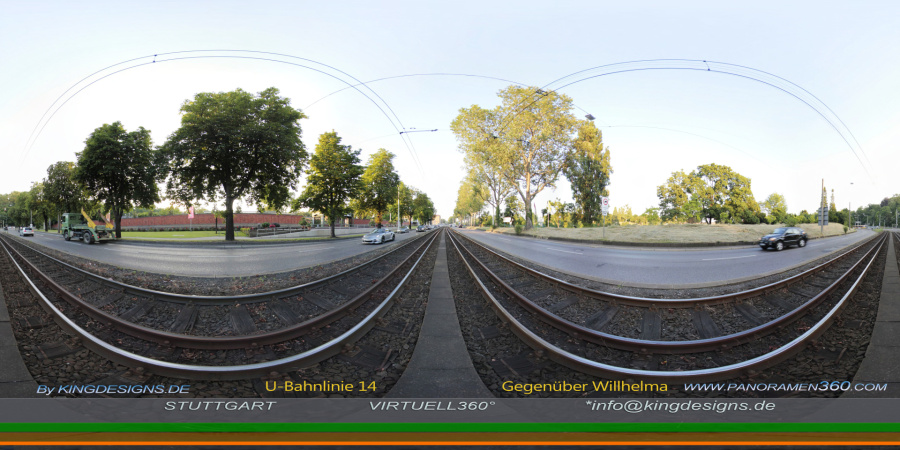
<point>210,342</point>
<point>666,302</point>
<point>592,367</point>
<point>667,347</point>
<point>191,371</point>
<point>213,299</point>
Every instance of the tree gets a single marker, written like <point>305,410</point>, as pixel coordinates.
<point>527,138</point>
<point>710,189</point>
<point>470,197</point>
<point>61,189</point>
<point>513,208</point>
<point>41,210</point>
<point>407,193</point>
<point>776,205</point>
<point>423,208</point>
<point>674,197</point>
<point>233,145</point>
<point>380,182</point>
<point>334,176</point>
<point>651,215</point>
<point>118,168</point>
<point>588,169</point>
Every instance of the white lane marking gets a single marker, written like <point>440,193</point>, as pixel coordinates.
<point>313,250</point>
<point>733,257</point>
<point>564,251</point>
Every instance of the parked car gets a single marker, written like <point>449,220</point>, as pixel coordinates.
<point>784,237</point>
<point>378,236</point>
<point>420,228</point>
<point>403,230</point>
<point>26,231</point>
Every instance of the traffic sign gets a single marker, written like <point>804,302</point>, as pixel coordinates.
<point>604,205</point>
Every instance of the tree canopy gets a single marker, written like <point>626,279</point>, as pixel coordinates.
<point>233,145</point>
<point>711,192</point>
<point>423,208</point>
<point>588,169</point>
<point>61,189</point>
<point>333,178</point>
<point>526,138</point>
<point>776,206</point>
<point>118,169</point>
<point>379,185</point>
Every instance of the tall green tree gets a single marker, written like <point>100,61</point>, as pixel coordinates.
<point>118,169</point>
<point>532,130</point>
<point>588,169</point>
<point>776,206</point>
<point>61,189</point>
<point>407,194</point>
<point>713,190</point>
<point>423,208</point>
<point>476,129</point>
<point>334,177</point>
<point>234,145</point>
<point>469,198</point>
<point>379,185</point>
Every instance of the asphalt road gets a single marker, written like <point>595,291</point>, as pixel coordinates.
<point>213,260</point>
<point>664,268</point>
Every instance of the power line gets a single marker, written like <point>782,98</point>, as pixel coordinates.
<point>155,59</point>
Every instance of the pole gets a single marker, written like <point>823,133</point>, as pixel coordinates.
<point>822,210</point>
<point>398,208</point>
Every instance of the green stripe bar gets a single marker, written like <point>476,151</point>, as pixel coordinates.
<point>455,427</point>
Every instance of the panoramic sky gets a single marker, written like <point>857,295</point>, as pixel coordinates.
<point>791,93</point>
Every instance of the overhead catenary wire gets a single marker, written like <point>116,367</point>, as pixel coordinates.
<point>746,72</point>
<point>155,59</point>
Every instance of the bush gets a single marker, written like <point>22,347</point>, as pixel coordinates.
<point>519,229</point>
<point>790,221</point>
<point>264,225</point>
<point>846,228</point>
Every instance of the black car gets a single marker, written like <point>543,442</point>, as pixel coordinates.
<point>784,237</point>
<point>420,228</point>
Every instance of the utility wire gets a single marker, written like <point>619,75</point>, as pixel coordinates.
<point>409,146</point>
<point>704,65</point>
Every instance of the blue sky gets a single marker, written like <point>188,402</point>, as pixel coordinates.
<point>654,121</point>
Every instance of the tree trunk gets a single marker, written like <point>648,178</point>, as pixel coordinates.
<point>229,219</point>
<point>331,219</point>
<point>528,224</point>
<point>117,218</point>
<point>378,220</point>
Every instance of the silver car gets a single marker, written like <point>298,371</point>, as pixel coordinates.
<point>378,236</point>
<point>26,231</point>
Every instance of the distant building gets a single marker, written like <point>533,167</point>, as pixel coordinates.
<point>436,219</point>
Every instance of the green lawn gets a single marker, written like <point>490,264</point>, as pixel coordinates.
<point>171,234</point>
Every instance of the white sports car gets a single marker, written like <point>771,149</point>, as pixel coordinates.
<point>378,236</point>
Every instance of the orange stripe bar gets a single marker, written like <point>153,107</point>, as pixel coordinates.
<point>450,438</point>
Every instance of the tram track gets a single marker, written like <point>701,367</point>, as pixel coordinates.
<point>297,343</point>
<point>805,303</point>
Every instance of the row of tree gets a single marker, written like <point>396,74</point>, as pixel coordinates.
<point>522,146</point>
<point>230,146</point>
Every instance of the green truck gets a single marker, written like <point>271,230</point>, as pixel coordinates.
<point>80,226</point>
